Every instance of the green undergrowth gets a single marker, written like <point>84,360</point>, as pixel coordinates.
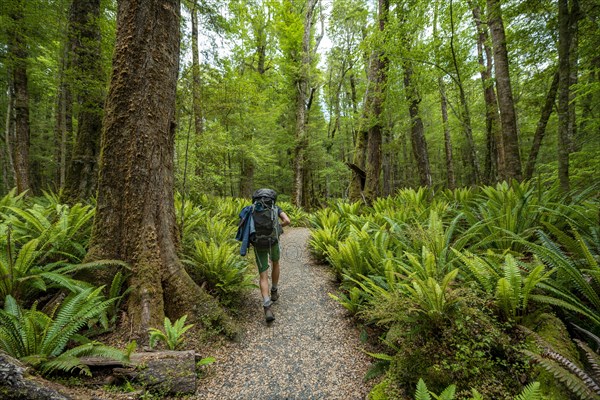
<point>460,282</point>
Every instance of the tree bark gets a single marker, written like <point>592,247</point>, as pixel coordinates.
<point>135,217</point>
<point>495,159</point>
<point>17,49</point>
<point>508,117</point>
<point>374,109</point>
<point>540,130</point>
<point>17,384</point>
<point>88,84</point>
<point>302,84</point>
<point>465,114</point>
<point>196,80</point>
<point>418,141</point>
<point>564,82</point>
<point>450,177</point>
<point>8,170</point>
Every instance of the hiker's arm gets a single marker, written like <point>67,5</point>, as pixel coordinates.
<point>285,220</point>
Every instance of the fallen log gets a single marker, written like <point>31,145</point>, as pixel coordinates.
<point>164,372</point>
<point>17,384</point>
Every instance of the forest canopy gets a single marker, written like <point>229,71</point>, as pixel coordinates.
<point>318,99</point>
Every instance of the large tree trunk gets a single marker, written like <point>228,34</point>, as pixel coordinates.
<point>508,117</point>
<point>540,130</point>
<point>495,160</point>
<point>17,49</point>
<point>88,84</point>
<point>135,217</point>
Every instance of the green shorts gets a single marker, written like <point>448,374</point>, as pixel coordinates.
<point>262,256</point>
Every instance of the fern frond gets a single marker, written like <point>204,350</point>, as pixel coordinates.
<point>64,363</point>
<point>531,392</point>
<point>422,392</point>
<point>593,359</point>
<point>571,381</point>
<point>448,393</point>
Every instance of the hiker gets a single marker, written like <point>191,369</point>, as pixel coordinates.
<point>261,227</point>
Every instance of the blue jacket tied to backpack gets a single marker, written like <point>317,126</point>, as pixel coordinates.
<point>245,229</point>
<point>259,222</point>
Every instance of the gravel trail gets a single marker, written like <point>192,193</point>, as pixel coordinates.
<point>311,350</point>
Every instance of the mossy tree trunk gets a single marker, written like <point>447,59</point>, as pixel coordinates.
<point>135,219</point>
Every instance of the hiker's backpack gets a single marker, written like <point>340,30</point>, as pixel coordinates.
<point>266,219</point>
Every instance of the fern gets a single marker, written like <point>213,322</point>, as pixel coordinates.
<point>172,335</point>
<point>568,373</point>
<point>40,340</point>
<point>531,392</point>
<point>422,392</point>
<point>220,268</point>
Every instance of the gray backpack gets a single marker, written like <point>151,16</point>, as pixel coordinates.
<point>266,219</point>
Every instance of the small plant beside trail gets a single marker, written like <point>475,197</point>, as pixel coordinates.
<point>172,334</point>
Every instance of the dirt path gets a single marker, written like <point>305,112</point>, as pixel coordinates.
<point>311,350</point>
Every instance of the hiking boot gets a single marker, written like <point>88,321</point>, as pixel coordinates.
<point>269,317</point>
<point>274,295</point>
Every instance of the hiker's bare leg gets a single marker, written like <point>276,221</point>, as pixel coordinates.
<point>264,283</point>
<point>275,273</point>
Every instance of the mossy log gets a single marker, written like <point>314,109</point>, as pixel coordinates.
<point>164,372</point>
<point>16,383</point>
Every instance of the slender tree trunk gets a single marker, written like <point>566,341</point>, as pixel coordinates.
<point>540,130</point>
<point>17,49</point>
<point>366,165</point>
<point>465,113</point>
<point>247,166</point>
<point>587,106</point>
<point>8,170</point>
<point>573,72</point>
<point>196,82</point>
<point>135,217</point>
<point>564,63</point>
<point>302,85</point>
<point>508,117</point>
<point>373,111</point>
<point>86,66</point>
<point>419,144</point>
<point>450,177</point>
<point>495,159</point>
